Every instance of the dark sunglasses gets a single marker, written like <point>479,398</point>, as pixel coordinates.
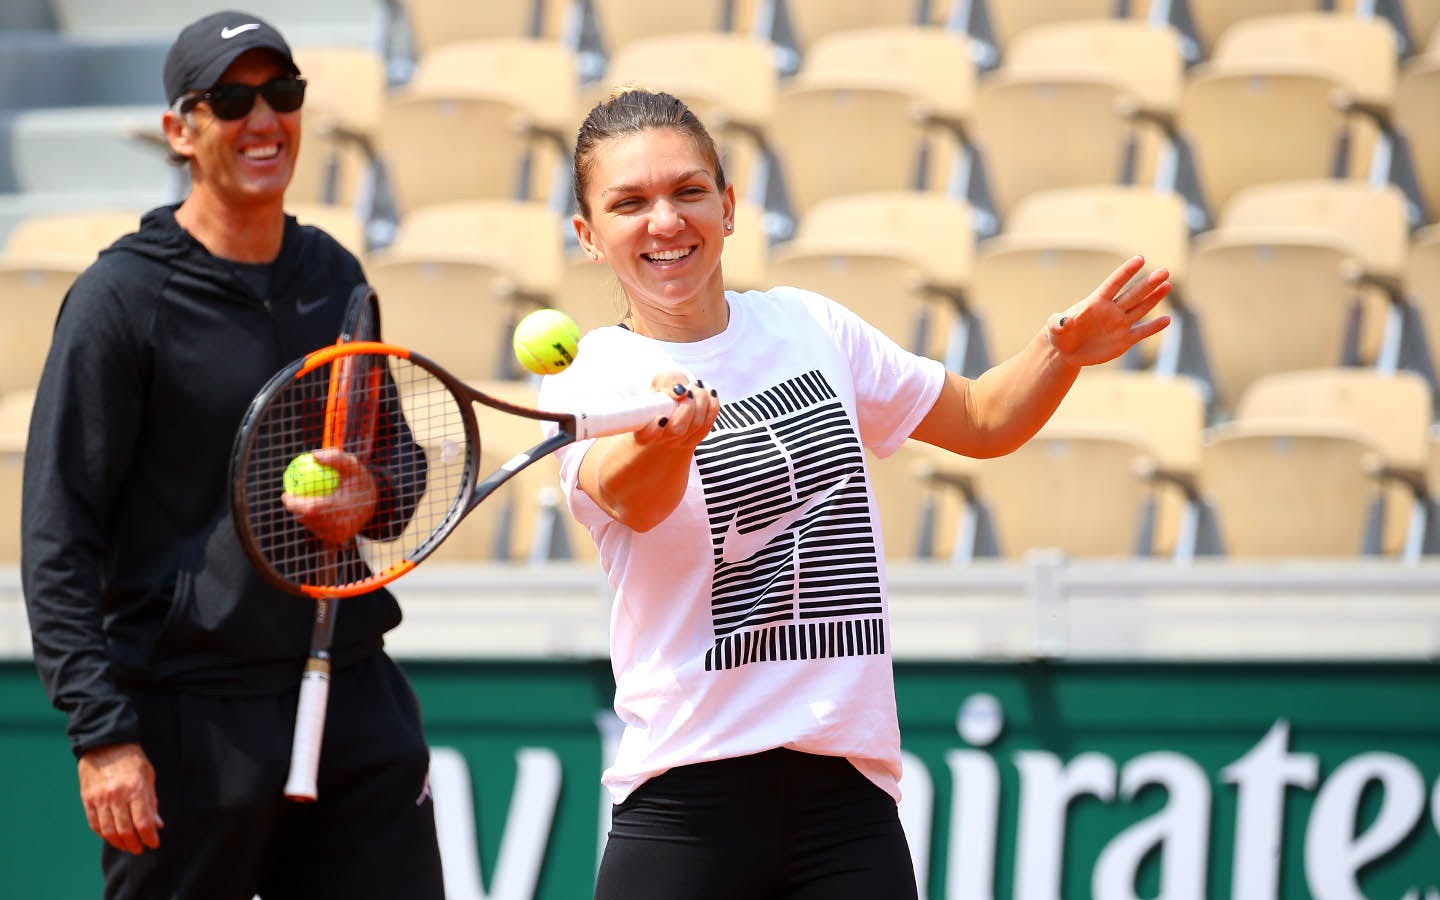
<point>234,101</point>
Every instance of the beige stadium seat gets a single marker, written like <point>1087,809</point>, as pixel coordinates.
<point>1015,110</point>
<point>817,132</point>
<point>1262,483</point>
<point>11,469</point>
<point>1211,18</point>
<point>1359,54</point>
<point>434,23</point>
<point>811,20</point>
<point>1168,416</point>
<point>1422,285</point>
<point>622,22</point>
<point>928,230</point>
<point>344,98</point>
<point>30,297</point>
<point>1081,489</point>
<point>728,80</point>
<point>1368,219</point>
<point>522,239</point>
<point>933,67</point>
<point>67,236</point>
<point>1417,96</point>
<point>483,119</point>
<point>1012,19</point>
<point>1271,300</point>
<point>1301,115</point>
<point>590,293</point>
<point>460,313</point>
<point>1392,410</point>
<point>1146,60</point>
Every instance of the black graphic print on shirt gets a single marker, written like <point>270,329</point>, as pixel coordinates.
<point>796,573</point>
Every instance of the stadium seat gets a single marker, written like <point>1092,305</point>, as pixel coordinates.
<point>1011,19</point>
<point>1300,113</point>
<point>1261,482</point>
<point>74,237</point>
<point>590,293</point>
<point>619,23</point>
<point>1209,19</point>
<point>1360,55</point>
<point>1393,411</point>
<point>1368,219</point>
<point>1270,300</point>
<point>1417,96</point>
<point>11,468</point>
<point>1422,286</point>
<point>520,238</point>
<point>30,296</point>
<point>344,100</point>
<point>1015,109</point>
<point>1168,416</point>
<point>459,312</point>
<point>340,222</point>
<point>1077,488</point>
<point>1147,60</point>
<point>483,119</point>
<point>433,23</point>
<point>817,133</point>
<point>811,20</point>
<point>934,68</point>
<point>926,229</point>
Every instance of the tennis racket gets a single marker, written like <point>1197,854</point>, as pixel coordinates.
<point>425,459</point>
<point>349,424</point>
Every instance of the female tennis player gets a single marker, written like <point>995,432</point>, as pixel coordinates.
<point>749,636</point>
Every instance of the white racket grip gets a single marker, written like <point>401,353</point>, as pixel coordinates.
<point>631,414</point>
<point>309,729</point>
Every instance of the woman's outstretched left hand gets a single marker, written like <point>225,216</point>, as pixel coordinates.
<point>1109,322</point>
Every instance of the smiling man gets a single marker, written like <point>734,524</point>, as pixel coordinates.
<point>177,666</point>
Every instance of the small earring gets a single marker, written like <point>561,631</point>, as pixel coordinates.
<point>729,226</point>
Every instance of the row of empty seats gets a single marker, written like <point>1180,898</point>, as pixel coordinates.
<point>1295,275</point>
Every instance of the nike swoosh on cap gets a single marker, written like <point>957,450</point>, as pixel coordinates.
<point>227,33</point>
<point>738,546</point>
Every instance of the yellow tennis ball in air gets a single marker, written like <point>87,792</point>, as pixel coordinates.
<point>305,477</point>
<point>546,341</point>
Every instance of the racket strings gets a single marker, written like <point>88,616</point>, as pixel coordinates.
<point>419,456</point>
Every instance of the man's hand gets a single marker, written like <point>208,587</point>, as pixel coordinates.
<point>338,516</point>
<point>117,786</point>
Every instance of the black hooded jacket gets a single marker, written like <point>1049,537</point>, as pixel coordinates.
<point>132,572</point>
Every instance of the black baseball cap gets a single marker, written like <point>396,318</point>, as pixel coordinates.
<point>206,48</point>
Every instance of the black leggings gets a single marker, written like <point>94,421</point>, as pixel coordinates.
<point>775,825</point>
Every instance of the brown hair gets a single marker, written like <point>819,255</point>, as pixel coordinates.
<point>631,109</point>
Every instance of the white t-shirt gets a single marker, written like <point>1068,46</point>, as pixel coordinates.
<point>754,616</point>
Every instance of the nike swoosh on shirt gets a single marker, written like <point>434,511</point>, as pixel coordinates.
<point>306,307</point>
<point>227,33</point>
<point>738,546</point>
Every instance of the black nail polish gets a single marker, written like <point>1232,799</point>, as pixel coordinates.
<point>679,390</point>
<point>690,395</point>
<point>714,393</point>
<point>1063,320</point>
<point>664,420</point>
<point>699,383</point>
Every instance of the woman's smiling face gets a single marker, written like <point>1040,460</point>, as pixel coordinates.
<point>659,218</point>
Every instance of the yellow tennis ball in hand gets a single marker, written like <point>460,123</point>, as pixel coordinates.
<point>305,477</point>
<point>546,341</point>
